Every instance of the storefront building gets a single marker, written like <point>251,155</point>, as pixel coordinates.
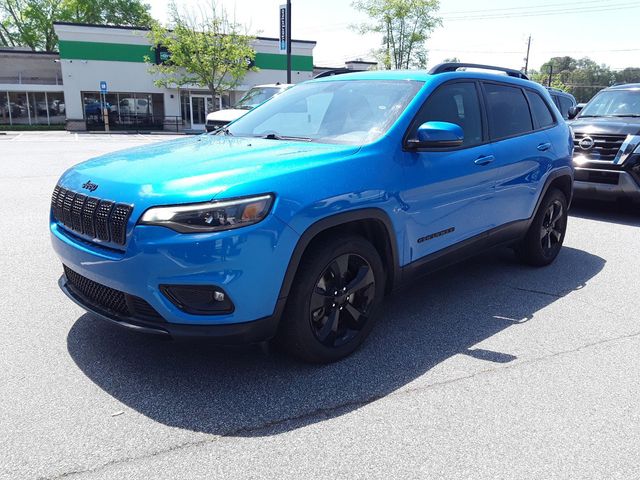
<point>31,91</point>
<point>93,57</point>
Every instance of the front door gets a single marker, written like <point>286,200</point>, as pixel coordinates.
<point>201,105</point>
<point>449,193</point>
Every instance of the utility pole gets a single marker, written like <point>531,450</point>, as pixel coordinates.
<point>526,60</point>
<point>550,74</point>
<point>288,41</point>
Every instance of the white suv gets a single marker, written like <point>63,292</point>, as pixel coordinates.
<point>253,98</point>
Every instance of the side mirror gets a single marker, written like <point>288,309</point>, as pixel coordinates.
<point>437,135</point>
<point>573,111</point>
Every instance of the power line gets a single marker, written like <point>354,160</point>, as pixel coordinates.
<point>591,9</point>
<point>528,7</point>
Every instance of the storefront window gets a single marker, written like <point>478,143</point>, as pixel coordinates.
<point>5,118</point>
<point>185,109</point>
<point>19,106</point>
<point>57,110</point>
<point>124,110</point>
<point>32,108</point>
<point>38,108</point>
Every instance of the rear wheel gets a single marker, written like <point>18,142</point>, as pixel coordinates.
<point>546,234</point>
<point>332,304</point>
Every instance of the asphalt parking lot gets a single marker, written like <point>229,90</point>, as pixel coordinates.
<point>487,369</point>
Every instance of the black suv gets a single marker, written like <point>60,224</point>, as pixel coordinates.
<point>563,100</point>
<point>607,144</point>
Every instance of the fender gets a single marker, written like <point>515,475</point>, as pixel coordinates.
<point>336,220</point>
<point>565,171</point>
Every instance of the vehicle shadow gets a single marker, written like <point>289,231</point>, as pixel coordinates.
<point>245,392</point>
<point>626,213</point>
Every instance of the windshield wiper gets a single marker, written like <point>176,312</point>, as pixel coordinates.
<point>224,131</point>
<point>275,136</point>
<point>625,115</point>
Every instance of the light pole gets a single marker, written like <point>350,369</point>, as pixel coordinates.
<point>288,41</point>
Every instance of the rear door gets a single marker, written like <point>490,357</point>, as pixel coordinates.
<point>518,120</point>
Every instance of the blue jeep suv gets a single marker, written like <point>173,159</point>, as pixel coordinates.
<point>293,222</point>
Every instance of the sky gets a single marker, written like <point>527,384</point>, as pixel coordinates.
<point>491,32</point>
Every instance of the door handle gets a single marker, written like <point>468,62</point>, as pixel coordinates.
<point>544,146</point>
<point>484,160</point>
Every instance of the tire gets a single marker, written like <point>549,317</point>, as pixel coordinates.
<point>545,236</point>
<point>334,299</point>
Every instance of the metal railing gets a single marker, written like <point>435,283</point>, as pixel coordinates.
<point>135,122</point>
<point>22,80</point>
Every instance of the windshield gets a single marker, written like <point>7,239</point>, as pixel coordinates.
<point>350,112</point>
<point>614,103</point>
<point>255,97</point>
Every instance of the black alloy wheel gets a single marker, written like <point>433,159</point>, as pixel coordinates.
<point>334,299</point>
<point>340,302</point>
<point>551,231</point>
<point>545,236</point>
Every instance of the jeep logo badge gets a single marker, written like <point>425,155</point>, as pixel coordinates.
<point>90,186</point>
<point>587,143</point>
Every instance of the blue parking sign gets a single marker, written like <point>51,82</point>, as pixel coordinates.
<point>103,87</point>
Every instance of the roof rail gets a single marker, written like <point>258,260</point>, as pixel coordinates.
<point>335,71</point>
<point>453,66</point>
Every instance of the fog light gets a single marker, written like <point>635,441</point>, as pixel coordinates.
<point>199,299</point>
<point>218,296</point>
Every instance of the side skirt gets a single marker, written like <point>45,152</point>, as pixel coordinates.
<point>500,236</point>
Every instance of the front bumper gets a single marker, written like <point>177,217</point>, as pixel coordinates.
<point>248,263</point>
<point>237,333</point>
<point>605,183</point>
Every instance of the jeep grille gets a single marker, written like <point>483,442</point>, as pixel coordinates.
<point>98,219</point>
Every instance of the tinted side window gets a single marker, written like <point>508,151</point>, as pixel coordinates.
<point>454,103</point>
<point>556,100</point>
<point>508,111</point>
<point>565,105</point>
<point>540,110</point>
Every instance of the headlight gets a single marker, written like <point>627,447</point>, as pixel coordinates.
<point>210,216</point>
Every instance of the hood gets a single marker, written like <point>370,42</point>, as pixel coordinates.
<point>228,115</point>
<point>197,169</point>
<point>607,125</point>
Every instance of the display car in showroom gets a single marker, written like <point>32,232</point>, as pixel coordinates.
<point>253,98</point>
<point>294,222</point>
<point>607,145</point>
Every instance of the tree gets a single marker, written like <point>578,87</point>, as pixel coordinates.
<point>30,22</point>
<point>206,49</point>
<point>405,26</point>
<point>583,77</point>
<point>111,12</point>
<point>628,75</point>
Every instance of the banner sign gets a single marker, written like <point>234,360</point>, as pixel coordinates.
<point>283,29</point>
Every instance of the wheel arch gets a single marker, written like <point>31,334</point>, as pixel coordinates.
<point>562,179</point>
<point>372,223</point>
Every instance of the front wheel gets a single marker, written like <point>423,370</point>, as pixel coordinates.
<point>334,299</point>
<point>545,236</point>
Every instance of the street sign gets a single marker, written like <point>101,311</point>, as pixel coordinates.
<point>103,87</point>
<point>283,29</point>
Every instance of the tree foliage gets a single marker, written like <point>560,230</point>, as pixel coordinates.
<point>583,77</point>
<point>205,49</point>
<point>405,26</point>
<point>30,22</point>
